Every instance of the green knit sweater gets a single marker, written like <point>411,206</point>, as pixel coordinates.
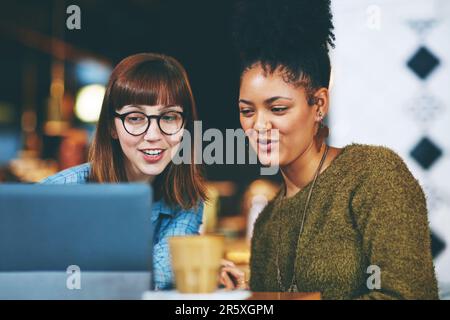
<point>366,209</point>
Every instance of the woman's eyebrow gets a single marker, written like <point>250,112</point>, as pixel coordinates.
<point>143,108</point>
<point>267,101</point>
<point>133,106</point>
<point>246,102</point>
<point>273,99</point>
<point>170,106</point>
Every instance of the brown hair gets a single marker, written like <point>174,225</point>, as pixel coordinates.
<point>147,79</point>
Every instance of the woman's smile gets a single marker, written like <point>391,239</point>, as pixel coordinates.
<point>153,155</point>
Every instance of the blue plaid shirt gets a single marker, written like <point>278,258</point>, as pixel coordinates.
<point>166,221</point>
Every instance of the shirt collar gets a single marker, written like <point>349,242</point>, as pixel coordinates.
<point>161,207</point>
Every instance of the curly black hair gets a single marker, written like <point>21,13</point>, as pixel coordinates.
<point>288,35</point>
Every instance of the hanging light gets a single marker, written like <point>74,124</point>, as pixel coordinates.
<point>88,102</point>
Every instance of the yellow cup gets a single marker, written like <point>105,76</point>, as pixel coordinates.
<point>196,262</point>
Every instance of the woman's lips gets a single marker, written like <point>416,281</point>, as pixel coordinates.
<point>152,155</point>
<point>266,145</point>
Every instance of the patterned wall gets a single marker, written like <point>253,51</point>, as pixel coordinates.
<point>391,87</point>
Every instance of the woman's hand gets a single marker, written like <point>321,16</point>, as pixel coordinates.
<point>231,277</point>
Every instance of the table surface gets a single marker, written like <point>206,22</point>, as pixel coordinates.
<point>285,296</point>
<point>223,294</point>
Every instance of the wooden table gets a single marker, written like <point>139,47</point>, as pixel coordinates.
<point>285,296</point>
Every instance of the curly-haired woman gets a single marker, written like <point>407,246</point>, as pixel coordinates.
<point>348,222</point>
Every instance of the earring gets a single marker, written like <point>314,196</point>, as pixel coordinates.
<point>324,131</point>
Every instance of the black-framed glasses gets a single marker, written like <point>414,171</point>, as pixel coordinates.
<point>137,123</point>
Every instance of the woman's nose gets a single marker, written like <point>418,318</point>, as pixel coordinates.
<point>262,123</point>
<point>153,132</point>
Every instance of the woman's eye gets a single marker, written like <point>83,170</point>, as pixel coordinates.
<point>171,117</point>
<point>278,109</point>
<point>168,118</point>
<point>135,119</point>
<point>246,112</point>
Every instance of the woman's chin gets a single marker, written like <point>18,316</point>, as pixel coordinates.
<point>151,170</point>
<point>268,161</point>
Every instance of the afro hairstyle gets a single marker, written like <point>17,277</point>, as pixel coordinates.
<point>292,36</point>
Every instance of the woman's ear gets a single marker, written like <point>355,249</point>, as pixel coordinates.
<point>321,103</point>
<point>114,133</point>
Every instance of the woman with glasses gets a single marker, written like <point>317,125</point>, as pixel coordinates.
<point>148,104</point>
<point>348,222</point>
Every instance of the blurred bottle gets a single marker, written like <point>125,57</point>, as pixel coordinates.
<point>259,202</point>
<point>211,210</point>
<point>255,199</point>
<point>73,148</point>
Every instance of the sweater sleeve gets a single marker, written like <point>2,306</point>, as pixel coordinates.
<point>389,210</point>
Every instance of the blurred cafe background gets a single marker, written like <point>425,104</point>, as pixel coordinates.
<point>390,86</point>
